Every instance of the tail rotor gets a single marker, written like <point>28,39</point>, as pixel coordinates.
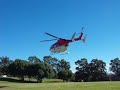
<point>84,39</point>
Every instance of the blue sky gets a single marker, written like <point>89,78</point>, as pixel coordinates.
<point>23,23</point>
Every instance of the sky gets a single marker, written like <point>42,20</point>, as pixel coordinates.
<point>23,23</point>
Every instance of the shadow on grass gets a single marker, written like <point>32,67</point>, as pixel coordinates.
<point>15,80</point>
<point>10,79</point>
<point>53,81</point>
<point>3,86</point>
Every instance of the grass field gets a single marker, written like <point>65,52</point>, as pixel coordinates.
<point>54,84</point>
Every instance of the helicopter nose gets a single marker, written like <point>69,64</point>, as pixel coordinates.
<point>51,47</point>
<point>52,50</point>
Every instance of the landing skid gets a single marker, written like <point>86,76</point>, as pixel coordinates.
<point>64,53</point>
<point>51,53</point>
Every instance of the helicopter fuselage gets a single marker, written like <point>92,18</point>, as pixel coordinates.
<point>60,46</point>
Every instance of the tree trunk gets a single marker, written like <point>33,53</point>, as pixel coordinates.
<point>22,78</point>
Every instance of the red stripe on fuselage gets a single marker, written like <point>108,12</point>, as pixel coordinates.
<point>63,42</point>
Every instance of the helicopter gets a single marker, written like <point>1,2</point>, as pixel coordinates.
<point>62,44</point>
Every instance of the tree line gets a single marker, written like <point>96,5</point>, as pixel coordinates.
<point>51,67</point>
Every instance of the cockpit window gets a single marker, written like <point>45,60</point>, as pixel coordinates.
<point>53,46</point>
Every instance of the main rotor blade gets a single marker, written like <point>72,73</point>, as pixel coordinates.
<point>52,35</point>
<point>48,40</point>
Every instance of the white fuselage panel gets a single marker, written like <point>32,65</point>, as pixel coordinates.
<point>59,49</point>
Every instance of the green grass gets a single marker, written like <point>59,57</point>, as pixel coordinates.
<point>55,84</point>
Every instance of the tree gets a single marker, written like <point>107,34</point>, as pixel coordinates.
<point>47,59</point>
<point>30,70</point>
<point>40,75</point>
<point>65,74</point>
<point>4,63</point>
<point>53,62</point>
<point>0,71</point>
<point>115,66</point>
<point>98,70</point>
<point>49,72</point>
<point>42,70</point>
<point>18,68</point>
<point>63,65</point>
<point>57,65</point>
<point>83,70</point>
<point>64,71</point>
<point>34,59</point>
<point>39,70</point>
<point>93,71</point>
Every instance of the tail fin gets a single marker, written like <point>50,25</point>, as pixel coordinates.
<point>84,39</point>
<point>79,38</point>
<point>73,39</point>
<point>81,33</point>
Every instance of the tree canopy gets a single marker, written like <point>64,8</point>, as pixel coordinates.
<point>115,66</point>
<point>51,67</point>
